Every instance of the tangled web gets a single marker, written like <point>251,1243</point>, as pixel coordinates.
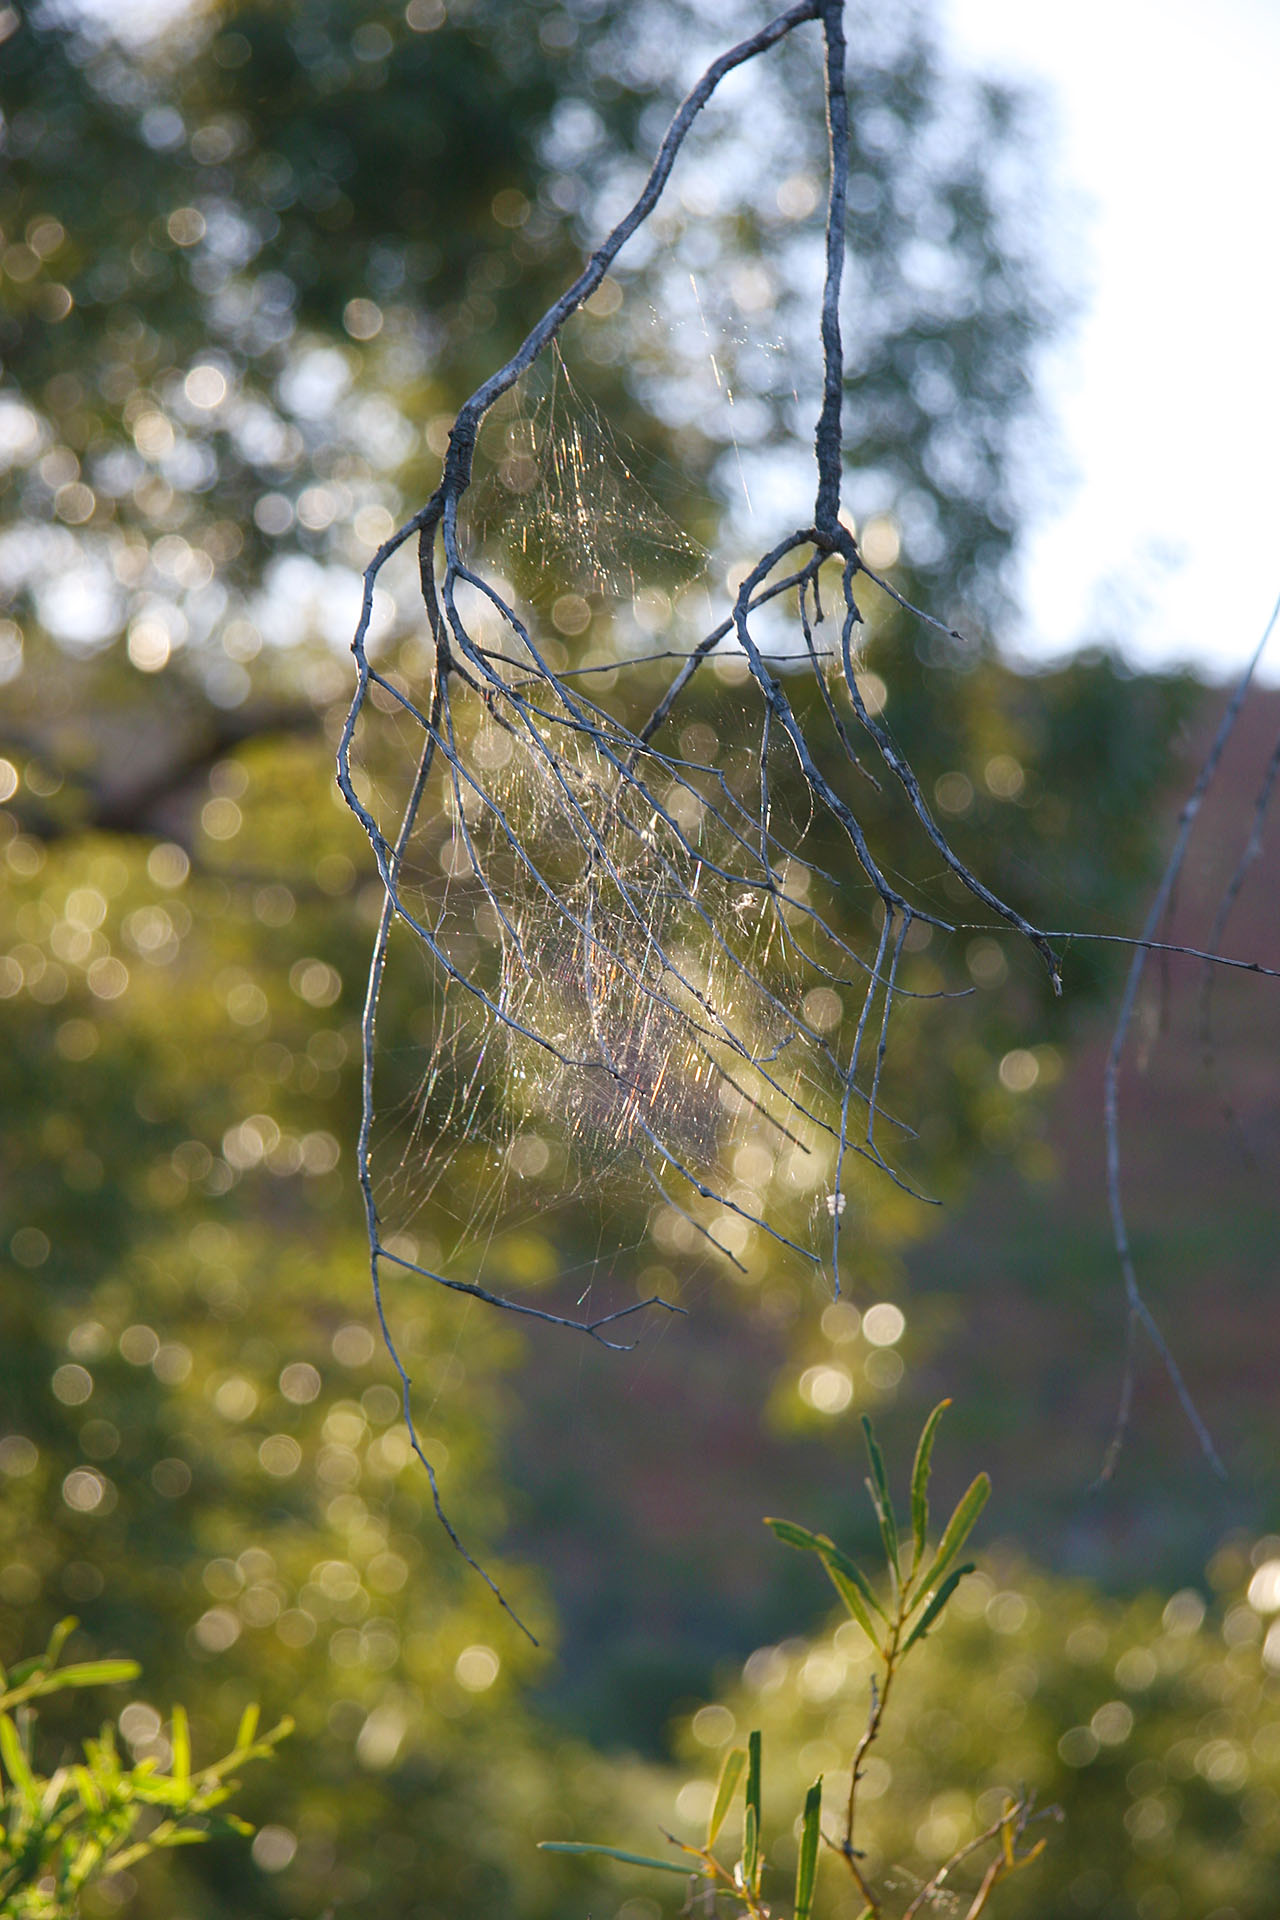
<point>633,979</point>
<point>565,501</point>
<point>642,980</point>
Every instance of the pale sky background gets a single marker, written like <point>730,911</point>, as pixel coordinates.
<point>1163,118</point>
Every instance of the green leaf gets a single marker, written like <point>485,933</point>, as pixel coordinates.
<point>936,1605</point>
<point>753,1775</point>
<point>730,1774</point>
<point>181,1741</point>
<point>248,1727</point>
<point>920,1484</point>
<point>86,1859</point>
<point>959,1527</point>
<point>851,1571</point>
<point>753,1817</point>
<point>159,1791</point>
<point>807,1866</point>
<point>793,1536</point>
<point>848,1580</point>
<point>88,1789</point>
<point>878,1488</point>
<point>59,1638</point>
<point>91,1673</point>
<point>612,1853</point>
<point>850,1592</point>
<point>16,1761</point>
<point>59,1792</point>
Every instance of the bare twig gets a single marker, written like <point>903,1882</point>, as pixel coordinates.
<point>1138,1313</point>
<point>1231,893</point>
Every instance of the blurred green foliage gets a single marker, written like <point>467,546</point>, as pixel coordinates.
<point>249,268</point>
<point>201,1450</point>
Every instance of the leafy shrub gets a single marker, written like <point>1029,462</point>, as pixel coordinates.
<point>94,1818</point>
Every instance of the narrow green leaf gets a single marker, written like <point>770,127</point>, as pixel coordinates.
<point>750,1847</point>
<point>751,1819</point>
<point>86,1859</point>
<point>248,1727</point>
<point>54,1788</point>
<point>16,1761</point>
<point>157,1838</point>
<point>878,1488</point>
<point>793,1536</point>
<point>851,1595</point>
<point>753,1774</point>
<point>959,1527</point>
<point>59,1638</point>
<point>163,1792</point>
<point>612,1853</point>
<point>807,1866</point>
<point>854,1573</point>
<point>88,1790</point>
<point>839,1566</point>
<point>920,1484</point>
<point>91,1673</point>
<point>935,1606</point>
<point>730,1774</point>
<point>181,1742</point>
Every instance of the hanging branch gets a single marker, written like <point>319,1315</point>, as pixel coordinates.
<point>640,976</point>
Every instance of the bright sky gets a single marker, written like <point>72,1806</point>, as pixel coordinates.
<point>1163,119</point>
<point>1162,534</point>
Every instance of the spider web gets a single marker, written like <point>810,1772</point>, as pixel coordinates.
<point>645,1041</point>
<point>563,508</point>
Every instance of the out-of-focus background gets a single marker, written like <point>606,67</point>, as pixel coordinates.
<point>254,257</point>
